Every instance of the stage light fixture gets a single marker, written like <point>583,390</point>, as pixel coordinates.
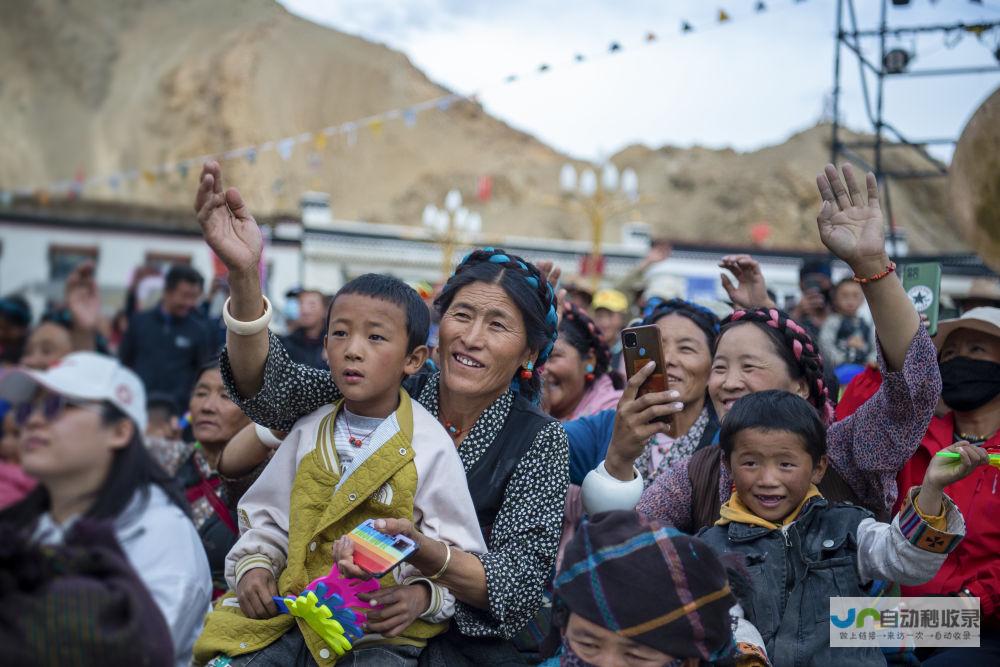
<point>896,61</point>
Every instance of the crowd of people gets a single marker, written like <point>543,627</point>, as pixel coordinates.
<point>173,480</point>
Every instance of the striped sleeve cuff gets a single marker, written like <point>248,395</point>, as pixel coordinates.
<point>251,561</point>
<point>434,608</point>
<point>921,534</point>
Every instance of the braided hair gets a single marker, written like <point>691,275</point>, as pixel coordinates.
<point>791,342</point>
<point>533,296</point>
<point>580,332</point>
<point>702,317</point>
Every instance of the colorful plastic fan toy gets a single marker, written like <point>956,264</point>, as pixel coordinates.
<point>326,607</point>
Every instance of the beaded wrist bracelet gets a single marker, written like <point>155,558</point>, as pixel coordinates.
<point>878,276</point>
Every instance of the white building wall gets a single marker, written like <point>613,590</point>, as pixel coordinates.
<point>25,265</point>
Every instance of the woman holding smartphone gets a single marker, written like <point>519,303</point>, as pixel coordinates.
<point>762,348</point>
<point>687,334</point>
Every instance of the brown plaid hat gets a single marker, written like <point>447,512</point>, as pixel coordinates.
<point>647,581</point>
<point>77,604</point>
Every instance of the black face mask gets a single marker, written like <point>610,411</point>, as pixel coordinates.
<point>969,384</point>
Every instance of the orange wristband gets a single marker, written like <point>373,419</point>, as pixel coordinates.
<point>878,276</point>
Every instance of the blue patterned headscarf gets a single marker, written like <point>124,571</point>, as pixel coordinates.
<point>535,286</point>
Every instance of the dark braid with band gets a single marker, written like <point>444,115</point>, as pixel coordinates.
<point>582,334</point>
<point>793,344</point>
<point>533,296</point>
<point>702,317</point>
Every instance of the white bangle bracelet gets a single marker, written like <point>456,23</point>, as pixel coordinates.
<point>601,492</point>
<point>247,328</point>
<point>266,436</point>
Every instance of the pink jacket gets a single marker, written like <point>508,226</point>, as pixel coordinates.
<point>602,395</point>
<point>14,484</point>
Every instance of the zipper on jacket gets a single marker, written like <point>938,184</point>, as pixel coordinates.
<point>789,582</point>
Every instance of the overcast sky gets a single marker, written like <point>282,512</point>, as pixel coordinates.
<point>747,83</point>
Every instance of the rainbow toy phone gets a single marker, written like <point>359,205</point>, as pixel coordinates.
<point>377,553</point>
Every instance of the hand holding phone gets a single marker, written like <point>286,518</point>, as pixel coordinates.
<point>377,553</point>
<point>641,345</point>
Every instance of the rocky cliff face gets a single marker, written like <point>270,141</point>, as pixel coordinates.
<point>97,86</point>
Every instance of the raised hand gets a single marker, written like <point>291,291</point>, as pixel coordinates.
<point>751,289</point>
<point>850,228</point>
<point>551,273</point>
<point>83,298</point>
<point>226,223</point>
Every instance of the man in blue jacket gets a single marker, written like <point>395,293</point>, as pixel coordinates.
<point>167,344</point>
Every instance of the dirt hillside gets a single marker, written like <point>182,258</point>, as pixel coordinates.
<point>96,86</point>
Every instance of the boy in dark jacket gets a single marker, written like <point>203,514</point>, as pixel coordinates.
<point>801,550</point>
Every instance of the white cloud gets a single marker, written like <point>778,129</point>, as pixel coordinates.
<point>747,83</point>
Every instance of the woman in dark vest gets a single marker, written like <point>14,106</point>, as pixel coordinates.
<point>498,324</point>
<point>762,348</point>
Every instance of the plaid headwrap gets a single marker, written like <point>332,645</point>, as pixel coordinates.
<point>651,583</point>
<point>77,604</point>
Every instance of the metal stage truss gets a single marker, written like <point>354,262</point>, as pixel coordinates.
<point>891,62</point>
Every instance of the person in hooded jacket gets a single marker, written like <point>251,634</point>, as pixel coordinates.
<point>81,424</point>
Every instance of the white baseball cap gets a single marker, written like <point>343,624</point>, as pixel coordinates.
<point>985,319</point>
<point>85,376</point>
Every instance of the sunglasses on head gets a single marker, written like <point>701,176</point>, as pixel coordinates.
<point>51,406</point>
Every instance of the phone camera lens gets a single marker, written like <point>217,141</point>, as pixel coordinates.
<point>629,339</point>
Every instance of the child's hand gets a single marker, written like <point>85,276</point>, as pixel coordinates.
<point>254,593</point>
<point>343,556</point>
<point>944,471</point>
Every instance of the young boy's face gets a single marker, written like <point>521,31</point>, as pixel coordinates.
<point>604,648</point>
<point>848,299</point>
<point>772,471</point>
<point>366,349</point>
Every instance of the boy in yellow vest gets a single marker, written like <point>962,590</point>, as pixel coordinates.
<point>375,453</point>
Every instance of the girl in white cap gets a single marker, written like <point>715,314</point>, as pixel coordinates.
<point>81,427</point>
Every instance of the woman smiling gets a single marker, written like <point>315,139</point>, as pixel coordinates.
<point>579,380</point>
<point>498,325</point>
<point>762,348</point>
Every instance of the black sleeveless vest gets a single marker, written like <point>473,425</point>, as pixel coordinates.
<point>488,477</point>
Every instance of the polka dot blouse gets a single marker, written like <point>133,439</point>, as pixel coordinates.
<point>525,534</point>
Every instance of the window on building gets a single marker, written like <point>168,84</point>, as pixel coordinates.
<point>163,261</point>
<point>64,258</point>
